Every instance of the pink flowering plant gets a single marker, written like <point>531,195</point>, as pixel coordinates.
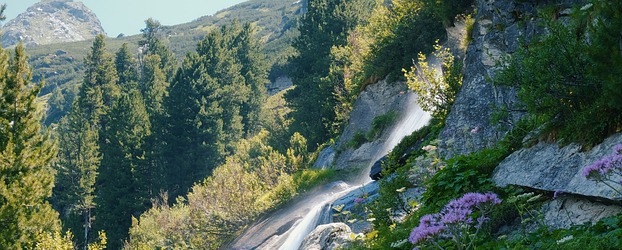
<point>455,222</point>
<point>607,170</point>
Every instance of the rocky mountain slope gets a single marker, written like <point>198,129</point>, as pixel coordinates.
<point>52,21</point>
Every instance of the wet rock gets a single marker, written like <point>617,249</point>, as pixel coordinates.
<point>325,158</point>
<point>328,237</point>
<point>377,99</point>
<point>351,208</point>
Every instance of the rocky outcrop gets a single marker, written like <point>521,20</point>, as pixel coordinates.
<point>499,28</point>
<point>328,237</point>
<point>52,21</point>
<point>376,100</point>
<point>546,166</point>
<point>279,84</point>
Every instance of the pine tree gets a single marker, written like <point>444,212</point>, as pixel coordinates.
<point>80,156</point>
<point>126,68</point>
<point>78,163</point>
<point>213,102</point>
<point>326,24</point>
<point>124,177</point>
<point>152,44</point>
<point>26,153</point>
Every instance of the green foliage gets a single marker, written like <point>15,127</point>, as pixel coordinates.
<point>251,181</point>
<point>447,10</point>
<point>211,104</point>
<point>411,145</point>
<point>380,123</point>
<point>326,24</point>
<point>398,32</point>
<point>358,139</point>
<point>26,154</point>
<point>436,88</point>
<point>469,173</point>
<point>578,93</point>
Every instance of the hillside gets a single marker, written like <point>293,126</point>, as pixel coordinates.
<point>61,64</point>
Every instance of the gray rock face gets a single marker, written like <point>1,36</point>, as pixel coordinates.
<point>568,211</point>
<point>325,158</point>
<point>52,21</point>
<point>376,100</point>
<point>546,166</point>
<point>327,237</point>
<point>281,83</point>
<point>354,203</point>
<point>499,26</point>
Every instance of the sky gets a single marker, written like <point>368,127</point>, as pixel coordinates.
<point>128,16</point>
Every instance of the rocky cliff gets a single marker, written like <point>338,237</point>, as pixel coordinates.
<point>500,26</point>
<point>52,21</point>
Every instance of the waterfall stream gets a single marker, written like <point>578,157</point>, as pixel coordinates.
<point>285,229</point>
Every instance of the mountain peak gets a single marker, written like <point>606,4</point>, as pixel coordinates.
<point>52,21</point>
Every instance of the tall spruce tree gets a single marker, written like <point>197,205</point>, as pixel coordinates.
<point>126,68</point>
<point>124,176</point>
<point>26,153</point>
<point>324,25</point>
<point>212,104</point>
<point>81,156</point>
<point>78,163</point>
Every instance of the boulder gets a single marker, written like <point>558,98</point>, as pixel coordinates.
<point>328,237</point>
<point>547,166</point>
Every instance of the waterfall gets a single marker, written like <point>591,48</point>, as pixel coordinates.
<point>286,229</point>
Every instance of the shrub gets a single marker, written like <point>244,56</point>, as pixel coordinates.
<point>571,75</point>
<point>436,88</point>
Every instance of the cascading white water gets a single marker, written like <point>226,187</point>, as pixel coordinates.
<point>286,230</point>
<point>412,119</point>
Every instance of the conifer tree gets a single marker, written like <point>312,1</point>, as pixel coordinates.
<point>213,102</point>
<point>26,153</point>
<point>152,44</point>
<point>125,65</point>
<point>326,24</point>
<point>124,177</point>
<point>78,163</point>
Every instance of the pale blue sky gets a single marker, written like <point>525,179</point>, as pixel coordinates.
<point>128,16</point>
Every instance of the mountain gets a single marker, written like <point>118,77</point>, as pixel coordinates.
<point>52,21</point>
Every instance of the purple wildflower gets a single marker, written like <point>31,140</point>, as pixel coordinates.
<point>456,212</point>
<point>359,200</point>
<point>617,149</point>
<point>423,232</point>
<point>603,167</point>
